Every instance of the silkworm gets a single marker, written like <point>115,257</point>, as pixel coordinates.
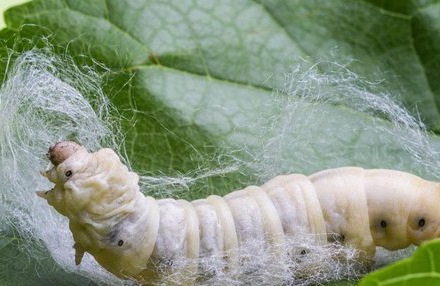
<point>129,234</point>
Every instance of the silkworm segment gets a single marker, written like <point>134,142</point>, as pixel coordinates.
<point>130,234</point>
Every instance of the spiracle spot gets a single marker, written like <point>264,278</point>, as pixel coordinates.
<point>303,252</point>
<point>68,173</point>
<point>422,222</point>
<point>383,224</point>
<point>120,243</point>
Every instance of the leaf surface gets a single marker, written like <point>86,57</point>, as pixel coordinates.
<point>423,268</point>
<point>201,84</point>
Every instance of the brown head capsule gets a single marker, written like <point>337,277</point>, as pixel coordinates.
<point>60,151</point>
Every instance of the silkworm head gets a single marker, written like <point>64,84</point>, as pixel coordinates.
<point>68,158</point>
<point>60,151</point>
<point>96,183</point>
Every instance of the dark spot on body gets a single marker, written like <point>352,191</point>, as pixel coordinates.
<point>68,173</point>
<point>118,233</point>
<point>383,224</point>
<point>422,222</point>
<point>303,252</point>
<point>114,237</point>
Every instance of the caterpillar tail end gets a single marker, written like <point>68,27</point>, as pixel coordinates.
<point>62,150</point>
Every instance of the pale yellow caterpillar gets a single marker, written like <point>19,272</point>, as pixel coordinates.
<point>130,234</point>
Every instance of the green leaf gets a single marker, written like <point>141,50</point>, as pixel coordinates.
<point>201,84</point>
<point>6,4</point>
<point>251,47</point>
<point>423,268</point>
<point>18,267</point>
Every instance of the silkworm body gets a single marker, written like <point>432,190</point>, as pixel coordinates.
<point>129,234</point>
